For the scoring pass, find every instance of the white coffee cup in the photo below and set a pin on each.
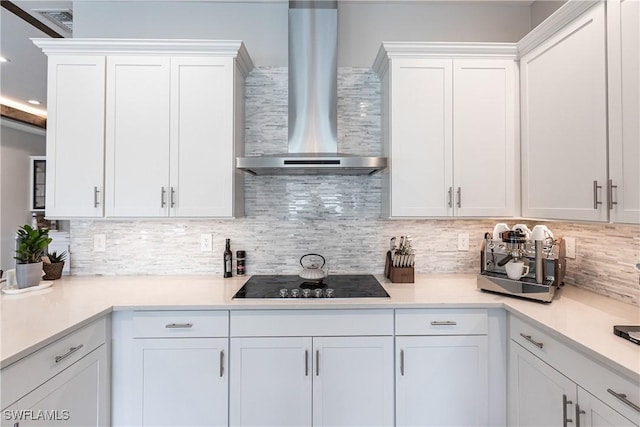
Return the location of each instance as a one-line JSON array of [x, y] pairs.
[[541, 232], [516, 269], [499, 229]]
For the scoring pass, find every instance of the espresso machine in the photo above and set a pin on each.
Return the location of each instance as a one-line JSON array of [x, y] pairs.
[[544, 258]]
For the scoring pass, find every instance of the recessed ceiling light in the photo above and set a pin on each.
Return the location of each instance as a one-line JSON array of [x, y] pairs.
[[33, 102], [3, 59]]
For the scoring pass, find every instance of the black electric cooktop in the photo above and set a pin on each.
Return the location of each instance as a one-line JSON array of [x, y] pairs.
[[295, 287]]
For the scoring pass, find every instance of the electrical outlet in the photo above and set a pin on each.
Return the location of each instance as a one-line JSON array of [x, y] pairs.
[[570, 247], [463, 241], [99, 242], [206, 243]]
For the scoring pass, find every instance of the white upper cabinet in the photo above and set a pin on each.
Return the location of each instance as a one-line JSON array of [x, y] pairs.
[[157, 137], [623, 36], [137, 136], [564, 122], [449, 129], [484, 138], [75, 136], [203, 138]]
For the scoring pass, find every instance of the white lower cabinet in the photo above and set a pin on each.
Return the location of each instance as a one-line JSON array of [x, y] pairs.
[[65, 383], [303, 368], [540, 395], [442, 377], [170, 368], [319, 381], [77, 397], [271, 381], [552, 385]]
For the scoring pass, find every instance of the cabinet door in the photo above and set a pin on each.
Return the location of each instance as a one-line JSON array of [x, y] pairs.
[[484, 138], [270, 382], [353, 381], [592, 412], [180, 382], [202, 147], [624, 109], [564, 128], [137, 137], [75, 136], [421, 142], [539, 396], [442, 381], [78, 396]]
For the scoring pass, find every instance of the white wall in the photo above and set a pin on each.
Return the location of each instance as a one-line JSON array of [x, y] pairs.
[[541, 9], [263, 26], [15, 148]]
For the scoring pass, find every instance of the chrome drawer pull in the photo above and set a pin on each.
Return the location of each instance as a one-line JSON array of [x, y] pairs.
[[443, 323], [179, 325], [450, 193], [96, 200], [306, 363], [402, 362], [68, 353], [623, 397], [578, 413], [317, 363], [531, 340], [596, 202], [459, 197], [221, 363], [565, 402]]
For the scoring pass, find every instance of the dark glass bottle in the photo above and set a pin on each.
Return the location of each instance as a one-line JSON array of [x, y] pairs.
[[227, 259]]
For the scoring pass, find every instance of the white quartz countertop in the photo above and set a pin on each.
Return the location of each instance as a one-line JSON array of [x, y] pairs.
[[580, 318]]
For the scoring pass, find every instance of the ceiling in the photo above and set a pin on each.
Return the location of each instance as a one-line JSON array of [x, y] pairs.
[[25, 76]]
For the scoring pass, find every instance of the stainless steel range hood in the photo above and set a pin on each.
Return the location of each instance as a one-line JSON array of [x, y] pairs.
[[313, 75]]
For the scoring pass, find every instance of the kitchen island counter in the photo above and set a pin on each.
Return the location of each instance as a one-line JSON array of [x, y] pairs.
[[578, 317]]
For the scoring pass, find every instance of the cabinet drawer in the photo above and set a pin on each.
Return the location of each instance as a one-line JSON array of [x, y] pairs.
[[298, 323], [439, 321], [177, 324], [536, 341], [25, 375]]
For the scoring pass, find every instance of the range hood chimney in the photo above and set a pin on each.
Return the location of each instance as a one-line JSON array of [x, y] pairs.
[[313, 76]]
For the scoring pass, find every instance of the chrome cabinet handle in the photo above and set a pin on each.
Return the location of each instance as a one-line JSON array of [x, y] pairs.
[[178, 325], [68, 353], [317, 363], [596, 202], [578, 413], [565, 402], [221, 363], [459, 197], [173, 196], [531, 340], [610, 194], [163, 191], [306, 363], [402, 362], [96, 199], [623, 397], [443, 323], [450, 192]]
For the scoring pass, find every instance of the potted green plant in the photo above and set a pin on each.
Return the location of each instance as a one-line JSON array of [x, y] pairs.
[[32, 243], [52, 264]]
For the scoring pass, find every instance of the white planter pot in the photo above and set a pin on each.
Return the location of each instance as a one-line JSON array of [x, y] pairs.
[[28, 275]]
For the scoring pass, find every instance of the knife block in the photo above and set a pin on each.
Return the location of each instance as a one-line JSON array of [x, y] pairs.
[[398, 274]]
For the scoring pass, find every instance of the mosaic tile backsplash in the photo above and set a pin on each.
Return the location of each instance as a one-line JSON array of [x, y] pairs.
[[337, 216]]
